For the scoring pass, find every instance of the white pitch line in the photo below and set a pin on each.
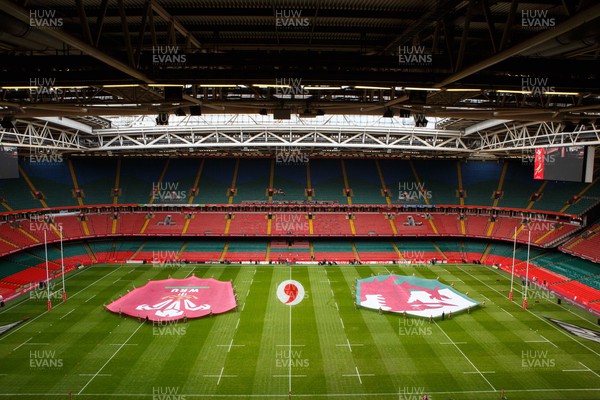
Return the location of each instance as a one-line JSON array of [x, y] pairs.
[[358, 374], [348, 345], [287, 376], [96, 375], [90, 298], [588, 368], [467, 358], [343, 327], [506, 312], [453, 342], [483, 372], [221, 374], [549, 342], [22, 343], [111, 357], [290, 345], [336, 306], [237, 324], [248, 292], [47, 311], [538, 317], [116, 281], [561, 306], [123, 344], [67, 314], [189, 273], [230, 345], [309, 395], [486, 298], [332, 292], [93, 283]]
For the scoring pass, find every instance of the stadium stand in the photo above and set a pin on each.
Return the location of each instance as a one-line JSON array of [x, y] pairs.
[[480, 180], [439, 178], [96, 177], [327, 180], [585, 245], [334, 250], [252, 180], [331, 224], [291, 179], [376, 251], [372, 224], [215, 181], [364, 181], [208, 181], [251, 250], [248, 224]]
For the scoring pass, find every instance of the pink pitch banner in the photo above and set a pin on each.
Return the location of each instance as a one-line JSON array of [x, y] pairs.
[[174, 299]]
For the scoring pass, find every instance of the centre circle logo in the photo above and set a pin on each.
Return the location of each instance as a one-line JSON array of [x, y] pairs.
[[290, 292]]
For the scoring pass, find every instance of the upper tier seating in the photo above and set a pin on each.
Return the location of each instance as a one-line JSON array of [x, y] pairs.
[[137, 177]]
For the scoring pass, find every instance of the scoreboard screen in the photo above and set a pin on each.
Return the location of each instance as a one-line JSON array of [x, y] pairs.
[[572, 164]]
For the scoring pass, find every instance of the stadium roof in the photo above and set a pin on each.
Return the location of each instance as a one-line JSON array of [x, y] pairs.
[[480, 77]]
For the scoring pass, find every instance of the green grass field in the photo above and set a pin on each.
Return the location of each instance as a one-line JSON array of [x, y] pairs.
[[336, 351]]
